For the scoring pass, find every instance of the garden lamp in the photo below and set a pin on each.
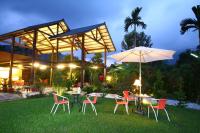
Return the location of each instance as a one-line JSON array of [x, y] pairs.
[[138, 84]]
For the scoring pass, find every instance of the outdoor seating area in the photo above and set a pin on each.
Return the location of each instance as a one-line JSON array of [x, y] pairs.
[[35, 113]]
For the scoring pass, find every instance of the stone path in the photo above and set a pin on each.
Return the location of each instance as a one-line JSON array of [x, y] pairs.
[[9, 96]]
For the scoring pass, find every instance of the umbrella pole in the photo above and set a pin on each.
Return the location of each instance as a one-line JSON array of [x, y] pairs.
[[140, 77]]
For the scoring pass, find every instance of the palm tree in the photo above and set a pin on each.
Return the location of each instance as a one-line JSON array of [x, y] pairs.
[[134, 20], [191, 23]]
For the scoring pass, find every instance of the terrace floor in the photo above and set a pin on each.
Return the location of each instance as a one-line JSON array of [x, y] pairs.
[[32, 115]]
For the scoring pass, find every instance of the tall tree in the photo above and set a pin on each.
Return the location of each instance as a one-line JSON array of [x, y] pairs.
[[142, 40], [192, 23], [134, 20]]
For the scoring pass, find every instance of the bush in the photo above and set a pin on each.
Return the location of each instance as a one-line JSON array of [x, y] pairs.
[[92, 88]]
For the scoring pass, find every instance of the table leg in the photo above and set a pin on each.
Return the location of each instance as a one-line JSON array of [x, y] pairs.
[[139, 106]]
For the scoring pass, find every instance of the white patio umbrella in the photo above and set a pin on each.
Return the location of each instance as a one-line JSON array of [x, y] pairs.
[[143, 55]]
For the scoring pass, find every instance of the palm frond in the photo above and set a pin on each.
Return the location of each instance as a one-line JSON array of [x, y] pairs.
[[127, 22], [186, 24], [136, 12], [187, 21], [142, 24], [186, 28], [196, 10]]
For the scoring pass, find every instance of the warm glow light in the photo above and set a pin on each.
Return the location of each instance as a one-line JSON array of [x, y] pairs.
[[15, 78], [60, 66], [20, 66], [73, 66], [108, 78], [4, 73], [145, 101], [36, 64], [137, 82], [43, 67], [94, 67]]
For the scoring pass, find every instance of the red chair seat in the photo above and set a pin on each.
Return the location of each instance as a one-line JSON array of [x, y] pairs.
[[122, 102], [87, 102], [130, 98], [62, 102]]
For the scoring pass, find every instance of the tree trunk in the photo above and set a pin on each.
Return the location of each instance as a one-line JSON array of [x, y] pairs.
[[135, 36]]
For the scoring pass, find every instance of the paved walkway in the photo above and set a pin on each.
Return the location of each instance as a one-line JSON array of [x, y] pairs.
[[9, 96]]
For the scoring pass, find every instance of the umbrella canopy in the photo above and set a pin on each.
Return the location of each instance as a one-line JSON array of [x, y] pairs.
[[143, 55]]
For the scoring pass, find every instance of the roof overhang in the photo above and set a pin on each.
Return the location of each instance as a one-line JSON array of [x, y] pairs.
[[24, 37], [96, 38]]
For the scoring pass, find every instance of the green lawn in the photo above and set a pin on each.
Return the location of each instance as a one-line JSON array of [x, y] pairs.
[[32, 116]]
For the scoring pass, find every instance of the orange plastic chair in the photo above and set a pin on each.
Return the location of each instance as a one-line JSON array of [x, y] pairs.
[[88, 101], [121, 101], [58, 102], [160, 106], [129, 96]]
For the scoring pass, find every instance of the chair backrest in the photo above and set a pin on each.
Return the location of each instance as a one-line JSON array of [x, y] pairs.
[[55, 97], [162, 103], [95, 99], [126, 94]]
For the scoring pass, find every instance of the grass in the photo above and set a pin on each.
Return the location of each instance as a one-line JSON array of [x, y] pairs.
[[32, 116]]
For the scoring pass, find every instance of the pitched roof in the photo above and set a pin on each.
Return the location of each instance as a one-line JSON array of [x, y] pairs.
[[97, 38], [78, 30]]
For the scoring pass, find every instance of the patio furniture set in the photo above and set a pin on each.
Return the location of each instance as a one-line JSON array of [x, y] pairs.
[[91, 99]]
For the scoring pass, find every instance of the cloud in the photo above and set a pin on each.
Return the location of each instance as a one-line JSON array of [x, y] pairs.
[[162, 18], [13, 20]]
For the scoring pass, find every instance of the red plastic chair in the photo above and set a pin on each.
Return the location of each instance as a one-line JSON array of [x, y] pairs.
[[121, 101], [88, 101], [160, 106], [58, 102], [129, 96]]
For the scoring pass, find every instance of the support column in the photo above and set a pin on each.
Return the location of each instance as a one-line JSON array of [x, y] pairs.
[[82, 61], [105, 63], [57, 46], [32, 80], [72, 53], [11, 62], [52, 64], [71, 59]]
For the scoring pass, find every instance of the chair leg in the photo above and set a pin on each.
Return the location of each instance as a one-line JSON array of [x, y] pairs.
[[116, 106], [64, 107], [92, 106], [85, 108], [126, 106], [148, 112], [157, 112], [154, 114], [167, 115], [94, 109], [52, 108], [82, 107], [68, 107], [56, 109]]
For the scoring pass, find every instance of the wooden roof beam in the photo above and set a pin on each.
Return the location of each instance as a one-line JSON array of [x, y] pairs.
[[44, 32], [103, 40], [58, 49], [51, 30], [47, 40]]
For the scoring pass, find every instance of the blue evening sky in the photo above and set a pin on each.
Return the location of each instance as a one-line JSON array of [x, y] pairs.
[[161, 16]]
